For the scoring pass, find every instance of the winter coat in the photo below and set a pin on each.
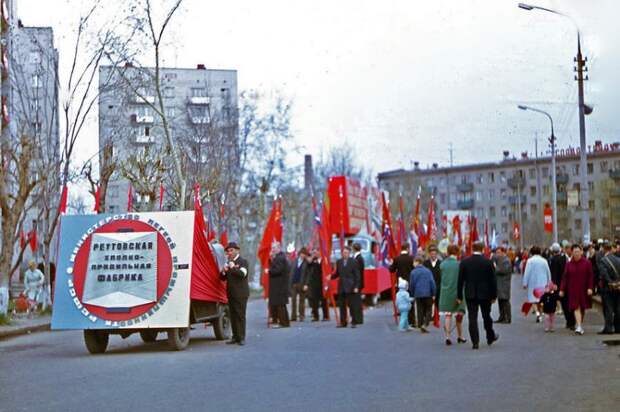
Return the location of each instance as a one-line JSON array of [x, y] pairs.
[[537, 275], [315, 280], [503, 272], [279, 280], [421, 283], [578, 278], [449, 282], [403, 301]]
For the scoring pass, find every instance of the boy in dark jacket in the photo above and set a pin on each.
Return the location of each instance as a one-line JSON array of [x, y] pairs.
[[422, 287]]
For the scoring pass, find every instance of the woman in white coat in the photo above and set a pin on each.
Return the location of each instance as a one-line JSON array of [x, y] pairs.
[[537, 276], [33, 282]]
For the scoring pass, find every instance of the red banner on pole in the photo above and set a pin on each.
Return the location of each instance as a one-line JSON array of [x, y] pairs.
[[548, 218]]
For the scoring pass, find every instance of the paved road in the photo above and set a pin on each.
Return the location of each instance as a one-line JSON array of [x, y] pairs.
[[314, 366]]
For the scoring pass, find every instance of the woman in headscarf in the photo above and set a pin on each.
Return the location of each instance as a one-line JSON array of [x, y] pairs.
[[578, 285], [536, 278]]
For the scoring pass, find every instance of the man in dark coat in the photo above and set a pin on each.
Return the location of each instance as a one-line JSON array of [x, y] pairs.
[[433, 262], [299, 285], [503, 272], [348, 273], [477, 279], [557, 263], [358, 313], [609, 269], [238, 291], [279, 287], [402, 266], [315, 286]]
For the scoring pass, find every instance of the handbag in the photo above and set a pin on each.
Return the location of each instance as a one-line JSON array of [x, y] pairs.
[[615, 285]]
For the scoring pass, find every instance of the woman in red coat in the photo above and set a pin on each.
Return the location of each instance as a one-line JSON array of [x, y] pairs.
[[577, 285]]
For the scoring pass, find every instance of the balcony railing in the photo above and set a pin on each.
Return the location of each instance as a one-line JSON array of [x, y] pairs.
[[562, 196], [465, 204], [513, 200], [614, 174], [560, 178], [142, 139], [515, 182], [144, 99], [199, 100], [142, 119], [200, 119], [465, 187]]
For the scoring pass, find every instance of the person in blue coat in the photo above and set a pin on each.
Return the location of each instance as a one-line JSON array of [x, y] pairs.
[[422, 287], [403, 304]]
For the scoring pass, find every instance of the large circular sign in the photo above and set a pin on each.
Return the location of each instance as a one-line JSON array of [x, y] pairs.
[[122, 270]]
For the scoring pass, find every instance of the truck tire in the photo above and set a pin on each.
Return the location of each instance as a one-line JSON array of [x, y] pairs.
[[149, 335], [221, 325], [178, 338], [96, 340]]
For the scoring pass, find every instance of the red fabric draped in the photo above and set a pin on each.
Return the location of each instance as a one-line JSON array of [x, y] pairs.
[[63, 200], [206, 283]]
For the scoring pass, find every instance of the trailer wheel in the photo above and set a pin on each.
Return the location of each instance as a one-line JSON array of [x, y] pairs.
[[178, 338], [149, 335], [96, 340], [221, 326]]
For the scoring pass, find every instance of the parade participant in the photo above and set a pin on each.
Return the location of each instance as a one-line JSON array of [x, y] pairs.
[[432, 263], [278, 287], [609, 268], [557, 263], [503, 272], [33, 282], [299, 286], [536, 278], [447, 301], [348, 273], [549, 302], [238, 292], [478, 285], [315, 286], [577, 285], [402, 266], [422, 287], [403, 303], [358, 306]]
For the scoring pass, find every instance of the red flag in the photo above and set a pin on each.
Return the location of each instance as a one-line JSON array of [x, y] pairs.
[[387, 222], [468, 248], [516, 231], [63, 200], [22, 239], [456, 230], [548, 218], [161, 196], [487, 244], [278, 221], [431, 234], [130, 199], [444, 226], [223, 232], [97, 207], [415, 224], [264, 248], [402, 232], [33, 240]]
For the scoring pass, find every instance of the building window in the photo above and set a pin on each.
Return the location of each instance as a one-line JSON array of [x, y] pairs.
[[491, 194], [532, 190], [502, 177], [36, 80], [492, 211], [479, 196], [147, 131], [604, 166], [480, 179], [491, 177], [591, 186], [199, 92], [545, 172], [576, 186], [480, 213], [546, 190], [442, 198], [591, 204], [532, 173], [170, 112], [504, 211], [590, 168], [577, 223], [170, 76], [502, 193], [168, 91], [198, 111], [576, 170], [504, 227], [533, 209], [35, 57]]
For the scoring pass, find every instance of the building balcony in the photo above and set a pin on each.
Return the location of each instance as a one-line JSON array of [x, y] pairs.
[[614, 174], [199, 119], [143, 100], [465, 204], [513, 200], [465, 187], [199, 100], [516, 182], [560, 178], [142, 119], [143, 139], [562, 196]]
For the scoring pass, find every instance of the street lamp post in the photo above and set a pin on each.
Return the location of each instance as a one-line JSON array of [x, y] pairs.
[[583, 111], [554, 188]]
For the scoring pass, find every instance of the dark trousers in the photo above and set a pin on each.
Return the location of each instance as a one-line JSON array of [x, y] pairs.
[[505, 314], [424, 307], [411, 316], [279, 315], [298, 294], [569, 315], [236, 310], [611, 310], [356, 309], [315, 303], [472, 315], [346, 300]]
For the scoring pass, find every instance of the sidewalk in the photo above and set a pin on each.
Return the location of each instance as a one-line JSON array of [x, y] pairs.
[[21, 326]]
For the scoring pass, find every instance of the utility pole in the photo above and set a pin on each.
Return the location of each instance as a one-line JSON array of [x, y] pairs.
[[539, 206], [451, 155], [520, 217], [583, 161], [554, 187]]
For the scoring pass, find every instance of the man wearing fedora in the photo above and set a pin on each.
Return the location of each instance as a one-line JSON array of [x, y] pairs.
[[238, 292]]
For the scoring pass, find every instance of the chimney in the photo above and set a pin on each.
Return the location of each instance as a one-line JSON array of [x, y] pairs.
[[416, 165], [523, 155], [308, 172], [435, 165], [506, 153], [128, 64], [200, 66]]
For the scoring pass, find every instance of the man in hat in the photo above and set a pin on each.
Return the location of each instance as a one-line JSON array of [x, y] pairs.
[[238, 292], [299, 285]]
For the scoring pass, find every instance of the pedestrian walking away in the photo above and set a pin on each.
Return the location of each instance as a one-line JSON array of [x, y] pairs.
[[557, 264], [577, 285], [348, 273], [503, 272], [422, 287], [238, 291], [536, 278], [448, 306], [402, 265], [299, 286], [403, 304], [478, 285], [278, 286], [609, 269]]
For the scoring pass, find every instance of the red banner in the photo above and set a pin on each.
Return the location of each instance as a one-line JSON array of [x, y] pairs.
[[516, 231], [548, 218]]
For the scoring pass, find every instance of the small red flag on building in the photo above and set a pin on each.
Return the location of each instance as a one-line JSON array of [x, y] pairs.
[[63, 200], [33, 240], [548, 218]]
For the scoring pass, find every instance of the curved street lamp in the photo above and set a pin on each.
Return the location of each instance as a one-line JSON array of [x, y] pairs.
[[554, 194]]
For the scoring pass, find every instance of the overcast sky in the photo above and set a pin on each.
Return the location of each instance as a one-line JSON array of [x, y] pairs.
[[400, 79]]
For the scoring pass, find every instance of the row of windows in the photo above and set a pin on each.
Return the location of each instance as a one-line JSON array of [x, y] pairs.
[[170, 92]]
